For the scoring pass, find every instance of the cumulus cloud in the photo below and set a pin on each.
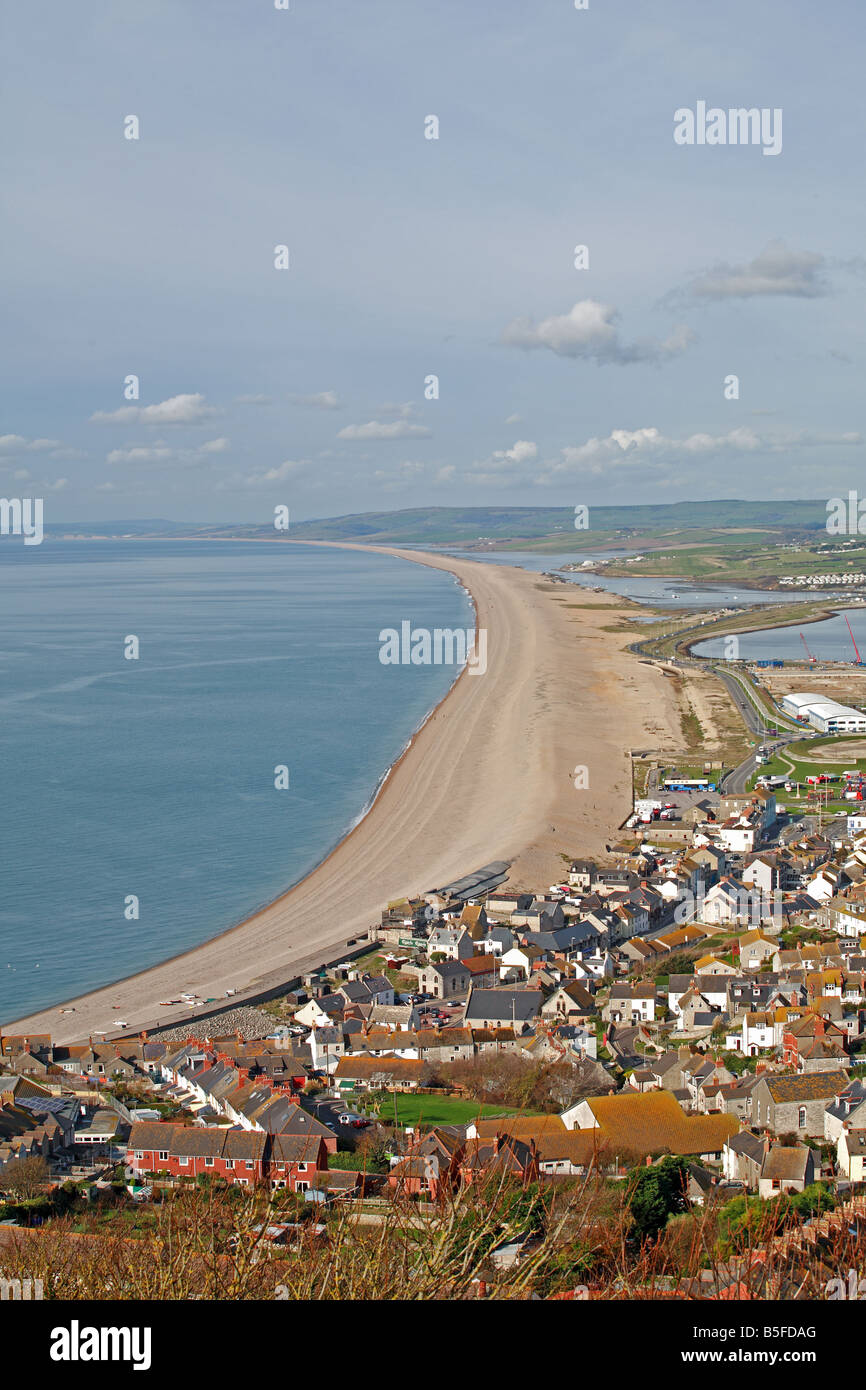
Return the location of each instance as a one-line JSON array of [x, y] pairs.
[[177, 410], [320, 400], [777, 270], [289, 468], [379, 429], [648, 448], [392, 479], [589, 331], [162, 453], [504, 465], [18, 444]]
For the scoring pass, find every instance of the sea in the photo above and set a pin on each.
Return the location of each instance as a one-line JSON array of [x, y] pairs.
[[141, 813]]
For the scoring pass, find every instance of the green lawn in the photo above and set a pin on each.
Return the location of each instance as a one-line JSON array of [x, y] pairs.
[[437, 1110]]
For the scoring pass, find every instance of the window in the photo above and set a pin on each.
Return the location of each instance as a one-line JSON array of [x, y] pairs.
[[163, 1154], [184, 1161], [801, 1117], [250, 1164], [302, 1167], [230, 1163], [208, 1163], [139, 1153]]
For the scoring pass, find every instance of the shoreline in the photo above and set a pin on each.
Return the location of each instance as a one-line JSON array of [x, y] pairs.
[[487, 776], [239, 998]]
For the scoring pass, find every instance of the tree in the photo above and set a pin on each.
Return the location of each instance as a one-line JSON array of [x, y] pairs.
[[25, 1179], [657, 1193]]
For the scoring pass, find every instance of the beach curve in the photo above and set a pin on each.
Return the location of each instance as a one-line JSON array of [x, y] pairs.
[[489, 776]]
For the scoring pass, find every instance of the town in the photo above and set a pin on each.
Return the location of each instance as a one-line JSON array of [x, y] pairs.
[[703, 1005]]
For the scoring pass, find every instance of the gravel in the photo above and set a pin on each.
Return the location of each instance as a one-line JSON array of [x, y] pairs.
[[249, 1022]]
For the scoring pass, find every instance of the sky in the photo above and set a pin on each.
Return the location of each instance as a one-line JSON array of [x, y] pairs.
[[412, 258]]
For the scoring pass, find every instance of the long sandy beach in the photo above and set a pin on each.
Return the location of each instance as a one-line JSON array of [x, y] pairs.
[[490, 776]]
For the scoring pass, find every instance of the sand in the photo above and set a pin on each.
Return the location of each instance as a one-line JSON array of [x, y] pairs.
[[490, 776]]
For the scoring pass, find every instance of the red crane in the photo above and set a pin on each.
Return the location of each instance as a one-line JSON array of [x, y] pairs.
[[856, 652], [808, 653]]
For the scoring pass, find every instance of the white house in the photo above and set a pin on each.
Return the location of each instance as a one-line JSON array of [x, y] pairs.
[[851, 1153]]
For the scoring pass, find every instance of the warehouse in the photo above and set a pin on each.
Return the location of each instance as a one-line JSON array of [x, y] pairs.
[[825, 715]]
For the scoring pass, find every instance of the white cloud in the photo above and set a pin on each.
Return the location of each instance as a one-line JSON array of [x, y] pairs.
[[778, 270], [648, 448], [17, 444], [504, 465], [588, 331], [161, 453], [177, 410], [252, 400], [289, 468], [513, 419], [391, 479], [322, 400], [519, 452], [141, 453], [377, 429]]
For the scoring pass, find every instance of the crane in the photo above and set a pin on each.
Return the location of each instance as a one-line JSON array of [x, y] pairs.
[[808, 653], [856, 652]]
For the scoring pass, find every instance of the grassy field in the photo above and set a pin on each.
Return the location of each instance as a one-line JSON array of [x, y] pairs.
[[437, 1110], [807, 765], [744, 560]]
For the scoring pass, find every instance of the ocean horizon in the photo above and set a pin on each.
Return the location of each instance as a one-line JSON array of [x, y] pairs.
[[154, 778]]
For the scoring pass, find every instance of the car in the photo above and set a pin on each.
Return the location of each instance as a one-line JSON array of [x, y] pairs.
[[347, 1118]]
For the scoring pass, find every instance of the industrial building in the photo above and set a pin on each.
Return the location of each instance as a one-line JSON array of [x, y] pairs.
[[827, 716]]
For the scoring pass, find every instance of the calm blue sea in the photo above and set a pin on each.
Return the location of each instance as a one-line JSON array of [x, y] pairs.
[[155, 777]]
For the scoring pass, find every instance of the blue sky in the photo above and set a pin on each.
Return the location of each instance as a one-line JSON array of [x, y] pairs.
[[411, 257]]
